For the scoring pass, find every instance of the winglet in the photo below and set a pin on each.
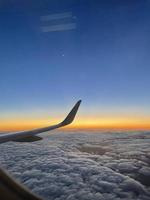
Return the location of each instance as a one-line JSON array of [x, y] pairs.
[[70, 117]]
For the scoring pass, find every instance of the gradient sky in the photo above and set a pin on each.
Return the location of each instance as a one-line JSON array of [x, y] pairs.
[[105, 62]]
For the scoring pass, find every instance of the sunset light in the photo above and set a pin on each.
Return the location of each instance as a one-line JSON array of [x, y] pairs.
[[80, 122]]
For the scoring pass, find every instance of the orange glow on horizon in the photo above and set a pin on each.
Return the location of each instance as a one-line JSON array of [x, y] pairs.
[[85, 123], [112, 123]]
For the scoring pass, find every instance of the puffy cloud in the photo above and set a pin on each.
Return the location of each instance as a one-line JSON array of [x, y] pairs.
[[83, 166]]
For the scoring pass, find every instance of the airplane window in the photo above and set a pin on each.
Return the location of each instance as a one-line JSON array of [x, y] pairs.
[[74, 99]]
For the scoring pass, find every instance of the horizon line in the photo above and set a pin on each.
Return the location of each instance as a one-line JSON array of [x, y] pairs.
[[76, 127]]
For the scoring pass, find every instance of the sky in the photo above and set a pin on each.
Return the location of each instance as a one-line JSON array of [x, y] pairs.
[[56, 52]]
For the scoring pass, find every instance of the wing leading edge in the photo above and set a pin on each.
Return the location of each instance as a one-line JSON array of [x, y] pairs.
[[26, 134]]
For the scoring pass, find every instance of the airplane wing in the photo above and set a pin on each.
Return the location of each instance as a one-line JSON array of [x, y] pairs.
[[26, 136], [9, 188]]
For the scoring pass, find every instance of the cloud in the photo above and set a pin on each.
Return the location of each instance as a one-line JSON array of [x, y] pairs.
[[57, 169]]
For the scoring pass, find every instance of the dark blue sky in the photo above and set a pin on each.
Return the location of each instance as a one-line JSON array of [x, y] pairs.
[[105, 61]]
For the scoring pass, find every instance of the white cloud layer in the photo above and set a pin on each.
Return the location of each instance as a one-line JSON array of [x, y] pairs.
[[83, 166]]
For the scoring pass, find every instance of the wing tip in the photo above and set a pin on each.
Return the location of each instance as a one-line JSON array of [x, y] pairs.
[[70, 117], [79, 102]]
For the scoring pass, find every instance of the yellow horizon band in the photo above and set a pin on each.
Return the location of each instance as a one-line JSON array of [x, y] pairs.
[[86, 123]]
